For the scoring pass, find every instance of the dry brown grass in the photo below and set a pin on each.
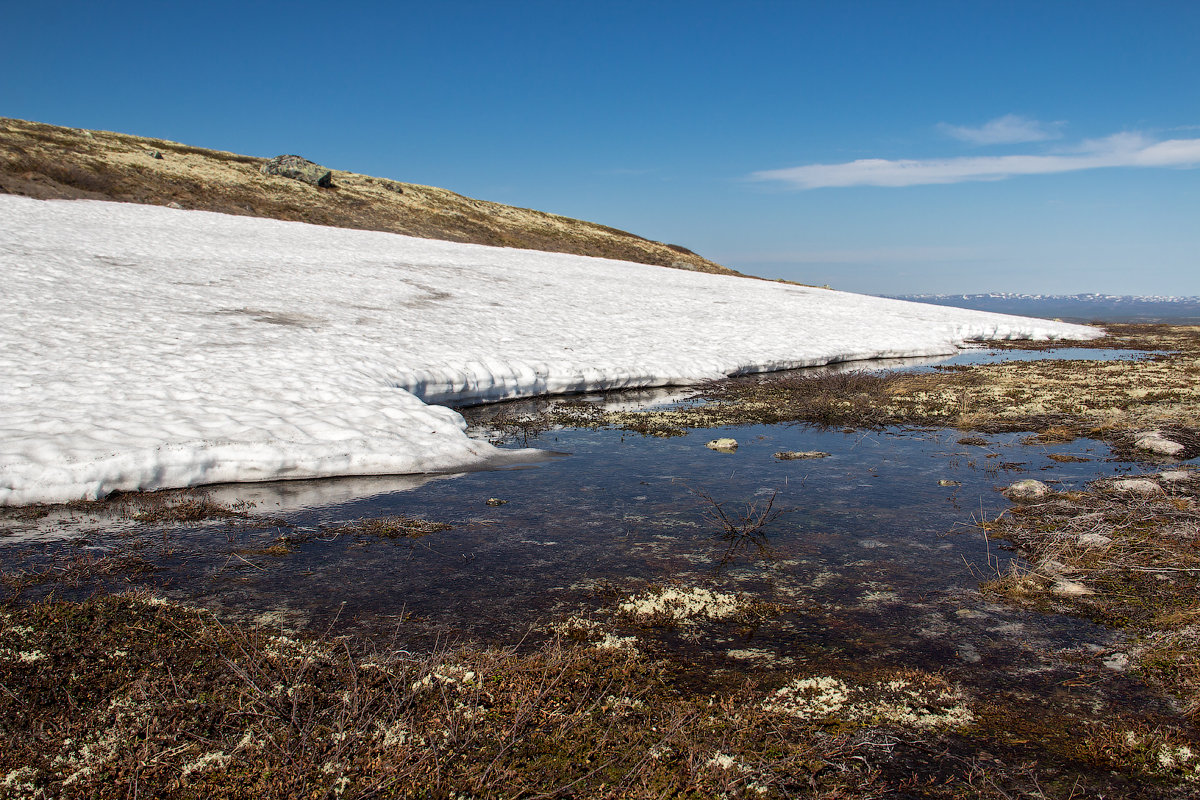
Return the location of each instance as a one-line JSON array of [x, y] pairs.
[[47, 161], [126, 696], [1058, 399], [1123, 558]]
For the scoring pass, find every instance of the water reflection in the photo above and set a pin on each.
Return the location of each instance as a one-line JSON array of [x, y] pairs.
[[870, 553]]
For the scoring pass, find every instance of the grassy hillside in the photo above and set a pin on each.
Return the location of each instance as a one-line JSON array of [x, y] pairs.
[[48, 161]]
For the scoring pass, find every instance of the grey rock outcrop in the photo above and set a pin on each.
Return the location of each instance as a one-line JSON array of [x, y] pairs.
[[1139, 486], [298, 169], [1155, 442], [1027, 490]]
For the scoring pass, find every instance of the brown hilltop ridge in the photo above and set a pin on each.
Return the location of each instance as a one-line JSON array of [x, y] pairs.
[[52, 162]]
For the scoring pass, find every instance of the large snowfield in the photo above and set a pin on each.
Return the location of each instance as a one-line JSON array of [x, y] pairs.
[[143, 347]]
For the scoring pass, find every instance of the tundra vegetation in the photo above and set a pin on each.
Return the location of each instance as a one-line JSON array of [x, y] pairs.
[[112, 691], [108, 690], [53, 162]]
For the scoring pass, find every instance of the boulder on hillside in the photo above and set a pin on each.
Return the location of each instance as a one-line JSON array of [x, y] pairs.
[[298, 169]]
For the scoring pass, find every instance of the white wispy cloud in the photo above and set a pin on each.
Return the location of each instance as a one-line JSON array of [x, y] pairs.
[[1009, 129], [1119, 150]]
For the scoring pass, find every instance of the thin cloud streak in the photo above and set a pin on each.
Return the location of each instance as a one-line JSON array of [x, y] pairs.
[[1009, 129], [1120, 150]]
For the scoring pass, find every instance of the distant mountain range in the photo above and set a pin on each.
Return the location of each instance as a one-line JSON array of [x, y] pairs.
[[1074, 307]]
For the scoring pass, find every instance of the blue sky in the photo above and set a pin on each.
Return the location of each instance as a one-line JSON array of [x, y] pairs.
[[882, 147]]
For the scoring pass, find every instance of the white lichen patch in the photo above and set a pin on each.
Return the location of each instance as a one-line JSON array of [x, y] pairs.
[[760, 656], [725, 762], [626, 644], [205, 763], [810, 698], [678, 604], [394, 735], [20, 782], [446, 675], [620, 705], [908, 698], [575, 628], [1158, 754], [286, 649]]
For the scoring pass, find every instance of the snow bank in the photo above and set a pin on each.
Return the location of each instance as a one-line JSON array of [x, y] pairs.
[[143, 347]]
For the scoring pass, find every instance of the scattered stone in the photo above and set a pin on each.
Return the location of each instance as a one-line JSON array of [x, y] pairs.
[[723, 445], [1027, 489], [175, 206], [945, 482], [1139, 486], [1067, 588], [793, 455], [496, 501], [1051, 566], [1178, 475], [1094, 540], [1155, 442], [298, 169], [1117, 661]]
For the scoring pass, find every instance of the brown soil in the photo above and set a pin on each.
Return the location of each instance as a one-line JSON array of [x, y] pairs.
[[51, 162]]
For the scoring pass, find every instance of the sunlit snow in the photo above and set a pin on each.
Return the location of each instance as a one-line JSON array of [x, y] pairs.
[[144, 347]]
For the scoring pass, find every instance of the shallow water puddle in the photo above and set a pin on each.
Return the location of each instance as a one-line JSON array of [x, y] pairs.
[[873, 562], [985, 355], [866, 559]]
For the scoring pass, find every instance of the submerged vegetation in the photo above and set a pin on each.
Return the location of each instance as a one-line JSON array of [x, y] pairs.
[[1125, 552]]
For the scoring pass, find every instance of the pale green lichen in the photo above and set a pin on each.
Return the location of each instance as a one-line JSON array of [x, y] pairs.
[[909, 699]]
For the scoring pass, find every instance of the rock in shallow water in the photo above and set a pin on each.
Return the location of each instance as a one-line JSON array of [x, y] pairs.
[[1028, 489], [793, 455], [1139, 486], [1068, 588], [1155, 442], [723, 445]]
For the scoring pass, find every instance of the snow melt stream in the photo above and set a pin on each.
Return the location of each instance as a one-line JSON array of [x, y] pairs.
[[143, 347]]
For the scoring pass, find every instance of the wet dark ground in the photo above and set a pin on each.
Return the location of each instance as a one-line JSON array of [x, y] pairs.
[[874, 564]]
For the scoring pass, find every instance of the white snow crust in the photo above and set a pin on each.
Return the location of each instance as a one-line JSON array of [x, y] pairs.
[[143, 347]]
